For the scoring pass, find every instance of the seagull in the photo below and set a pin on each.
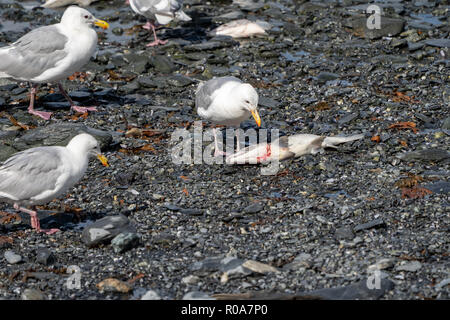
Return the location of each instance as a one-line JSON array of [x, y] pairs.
[[163, 11], [227, 101], [52, 4], [39, 175], [52, 53]]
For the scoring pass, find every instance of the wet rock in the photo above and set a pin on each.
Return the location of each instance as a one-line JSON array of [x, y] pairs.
[[267, 102], [12, 257], [377, 223], [162, 63], [125, 241], [326, 76], [344, 233], [253, 208], [192, 212], [179, 80], [209, 45], [446, 124], [151, 295], [442, 187], [412, 266], [33, 294], [45, 256], [441, 43], [434, 155], [389, 27], [191, 279], [361, 290], [105, 229]]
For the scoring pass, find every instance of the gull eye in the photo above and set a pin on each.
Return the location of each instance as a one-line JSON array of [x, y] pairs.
[[86, 16]]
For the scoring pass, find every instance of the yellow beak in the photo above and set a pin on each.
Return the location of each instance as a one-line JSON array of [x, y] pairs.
[[103, 160], [255, 115], [102, 24]]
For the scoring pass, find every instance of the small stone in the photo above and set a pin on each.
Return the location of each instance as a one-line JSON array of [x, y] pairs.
[[32, 294], [412, 266], [191, 279], [259, 267], [326, 76], [253, 208], [377, 223], [434, 155], [113, 285], [344, 233], [125, 241], [197, 295], [44, 256], [12, 257], [381, 265], [105, 229], [151, 295]]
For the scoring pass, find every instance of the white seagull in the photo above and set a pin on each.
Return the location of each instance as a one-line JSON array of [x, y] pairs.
[[162, 11], [52, 53], [39, 175], [226, 101]]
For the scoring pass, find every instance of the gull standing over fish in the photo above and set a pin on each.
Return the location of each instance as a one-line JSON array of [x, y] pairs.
[[227, 101], [162, 11], [39, 175], [53, 4], [52, 53]]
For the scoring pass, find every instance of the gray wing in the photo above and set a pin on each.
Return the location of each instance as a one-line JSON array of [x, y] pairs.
[[33, 54], [31, 172], [205, 91]]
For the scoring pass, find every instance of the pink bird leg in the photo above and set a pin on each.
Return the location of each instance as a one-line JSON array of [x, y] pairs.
[[44, 115], [72, 104], [149, 25], [35, 221]]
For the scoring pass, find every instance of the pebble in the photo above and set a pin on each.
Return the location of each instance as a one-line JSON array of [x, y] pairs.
[[33, 294], [151, 295], [12, 257], [105, 229], [412, 266], [125, 241]]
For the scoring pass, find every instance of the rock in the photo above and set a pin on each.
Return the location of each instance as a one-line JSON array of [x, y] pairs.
[[303, 260], [12, 257], [105, 229], [179, 80], [113, 285], [163, 64], [377, 223], [381, 265], [344, 233], [207, 265], [434, 155], [446, 124], [197, 295], [33, 294], [360, 290], [191, 279], [253, 208], [347, 118], [44, 256], [442, 187], [233, 267], [441, 43], [259, 267], [267, 102], [192, 212], [412, 266], [442, 284], [125, 241], [389, 27], [209, 45], [151, 295], [327, 76]]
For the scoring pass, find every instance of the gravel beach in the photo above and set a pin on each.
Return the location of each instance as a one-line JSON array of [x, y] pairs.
[[368, 220]]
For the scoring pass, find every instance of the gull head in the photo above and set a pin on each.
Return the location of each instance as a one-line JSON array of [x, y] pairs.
[[248, 98], [87, 145], [76, 17]]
